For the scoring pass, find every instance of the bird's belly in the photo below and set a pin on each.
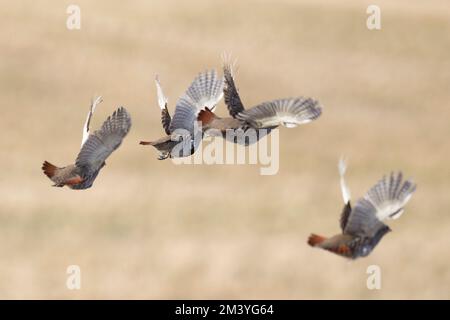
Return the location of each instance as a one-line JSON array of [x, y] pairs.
[[87, 182], [245, 137]]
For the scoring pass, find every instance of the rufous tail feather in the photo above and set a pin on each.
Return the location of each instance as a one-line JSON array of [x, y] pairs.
[[315, 240], [206, 116], [49, 169]]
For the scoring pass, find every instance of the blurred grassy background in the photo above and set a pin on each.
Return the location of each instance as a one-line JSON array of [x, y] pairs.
[[150, 229]]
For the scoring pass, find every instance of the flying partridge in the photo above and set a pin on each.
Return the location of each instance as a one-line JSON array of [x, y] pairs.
[[362, 225], [95, 149], [289, 112], [182, 138]]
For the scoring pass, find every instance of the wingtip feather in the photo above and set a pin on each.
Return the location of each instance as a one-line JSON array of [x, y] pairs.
[[162, 99]]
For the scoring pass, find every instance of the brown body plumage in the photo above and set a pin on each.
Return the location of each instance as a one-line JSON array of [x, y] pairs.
[[70, 175]]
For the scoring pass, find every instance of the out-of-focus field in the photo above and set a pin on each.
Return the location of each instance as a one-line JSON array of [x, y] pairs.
[[151, 229]]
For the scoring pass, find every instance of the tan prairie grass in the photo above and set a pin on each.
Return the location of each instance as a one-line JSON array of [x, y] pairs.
[[150, 229]]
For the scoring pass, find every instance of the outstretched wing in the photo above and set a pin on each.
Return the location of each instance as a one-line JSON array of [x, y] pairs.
[[162, 102], [289, 112], [166, 120], [205, 91], [86, 128], [345, 215], [362, 221], [342, 166], [385, 200], [390, 195], [103, 142], [231, 95]]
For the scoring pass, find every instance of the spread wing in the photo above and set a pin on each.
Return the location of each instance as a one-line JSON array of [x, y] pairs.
[[231, 95], [205, 91], [362, 221], [390, 195], [162, 102], [103, 142], [342, 166], [166, 120], [289, 112], [385, 200], [345, 215], [86, 129]]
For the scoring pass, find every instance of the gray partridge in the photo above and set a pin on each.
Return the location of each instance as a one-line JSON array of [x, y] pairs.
[[95, 149], [289, 112], [182, 138], [362, 225]]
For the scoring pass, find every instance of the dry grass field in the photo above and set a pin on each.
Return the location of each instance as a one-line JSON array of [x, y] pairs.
[[151, 229]]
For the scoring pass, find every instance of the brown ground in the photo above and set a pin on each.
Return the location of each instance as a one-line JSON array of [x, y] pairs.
[[150, 229]]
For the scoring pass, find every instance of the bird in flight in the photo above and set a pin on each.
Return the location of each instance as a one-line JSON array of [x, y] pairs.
[[288, 112], [362, 225], [95, 149], [182, 137]]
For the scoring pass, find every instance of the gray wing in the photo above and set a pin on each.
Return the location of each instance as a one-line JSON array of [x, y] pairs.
[[362, 220], [390, 195], [230, 92], [162, 102], [345, 215], [166, 119], [205, 91], [289, 112], [103, 142], [86, 128], [385, 200]]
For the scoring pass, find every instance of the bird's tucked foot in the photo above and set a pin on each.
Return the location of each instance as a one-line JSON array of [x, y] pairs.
[[58, 185]]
